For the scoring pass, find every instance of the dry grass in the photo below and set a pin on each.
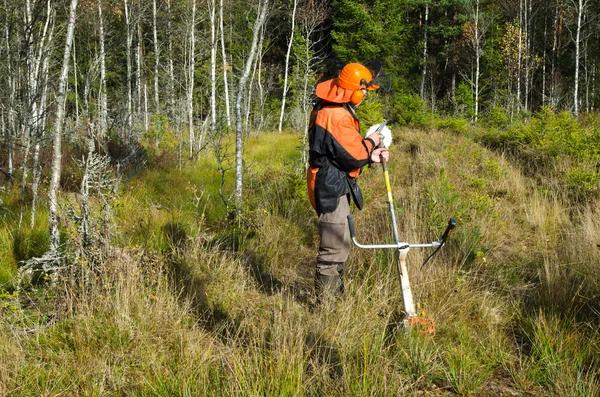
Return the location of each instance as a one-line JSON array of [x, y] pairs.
[[230, 312]]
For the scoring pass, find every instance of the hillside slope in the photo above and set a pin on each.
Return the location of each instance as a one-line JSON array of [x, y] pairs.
[[189, 303]]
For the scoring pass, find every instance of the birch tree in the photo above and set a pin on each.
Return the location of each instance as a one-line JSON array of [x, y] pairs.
[[40, 123], [311, 16], [190, 78], [476, 33], [103, 102], [261, 16], [212, 7], [225, 65], [10, 113], [580, 7], [287, 63], [58, 126], [156, 57], [128, 44], [424, 26]]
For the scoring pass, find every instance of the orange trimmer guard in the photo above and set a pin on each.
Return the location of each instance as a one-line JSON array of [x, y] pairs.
[[422, 324]]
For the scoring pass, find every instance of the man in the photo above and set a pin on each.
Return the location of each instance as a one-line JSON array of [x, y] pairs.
[[337, 154]]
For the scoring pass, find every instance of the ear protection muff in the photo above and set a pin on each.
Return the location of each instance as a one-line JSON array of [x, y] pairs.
[[357, 97]]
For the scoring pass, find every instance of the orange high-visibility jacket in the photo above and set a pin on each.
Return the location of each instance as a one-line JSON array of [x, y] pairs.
[[337, 153]]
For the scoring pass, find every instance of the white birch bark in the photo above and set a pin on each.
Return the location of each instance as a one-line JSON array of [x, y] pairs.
[[138, 73], [527, 50], [286, 67], [424, 70], [258, 23], [190, 87], [156, 58], [225, 65], [171, 65], [103, 108], [519, 54], [11, 88], [250, 88], [75, 86], [41, 126], [60, 116], [146, 121], [213, 66], [553, 93], [129, 43], [544, 77], [580, 10], [261, 91], [477, 59], [36, 108]]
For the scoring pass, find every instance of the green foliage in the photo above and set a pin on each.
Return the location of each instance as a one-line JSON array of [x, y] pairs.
[[364, 30], [496, 118], [369, 112], [161, 139], [465, 100], [457, 125], [408, 109]]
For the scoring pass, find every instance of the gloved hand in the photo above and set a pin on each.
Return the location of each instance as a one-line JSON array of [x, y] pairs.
[[385, 132], [378, 153]]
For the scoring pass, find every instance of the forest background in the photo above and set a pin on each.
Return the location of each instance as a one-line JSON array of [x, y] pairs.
[[153, 156]]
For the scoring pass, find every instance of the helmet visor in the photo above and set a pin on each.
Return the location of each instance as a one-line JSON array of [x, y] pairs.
[[380, 79]]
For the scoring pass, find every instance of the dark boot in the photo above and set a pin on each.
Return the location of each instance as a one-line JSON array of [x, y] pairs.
[[326, 286]]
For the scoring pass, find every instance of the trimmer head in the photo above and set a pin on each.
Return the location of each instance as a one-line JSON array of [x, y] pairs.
[[424, 325]]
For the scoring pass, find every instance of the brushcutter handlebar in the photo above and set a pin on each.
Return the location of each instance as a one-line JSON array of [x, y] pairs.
[[402, 245], [351, 225], [451, 226]]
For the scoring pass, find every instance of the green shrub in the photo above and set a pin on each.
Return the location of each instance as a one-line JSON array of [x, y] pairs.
[[457, 125], [409, 109], [496, 118], [465, 102], [369, 112]]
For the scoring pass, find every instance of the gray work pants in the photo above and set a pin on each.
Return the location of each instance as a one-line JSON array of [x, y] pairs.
[[335, 239]]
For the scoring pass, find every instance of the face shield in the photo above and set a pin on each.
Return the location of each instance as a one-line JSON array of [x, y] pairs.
[[380, 79]]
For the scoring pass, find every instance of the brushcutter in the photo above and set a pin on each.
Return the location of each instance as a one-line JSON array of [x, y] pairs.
[[411, 319]]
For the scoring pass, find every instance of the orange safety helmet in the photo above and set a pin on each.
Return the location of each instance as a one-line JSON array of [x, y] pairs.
[[348, 86]]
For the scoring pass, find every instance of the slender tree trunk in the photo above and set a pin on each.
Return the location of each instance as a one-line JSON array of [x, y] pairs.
[[75, 86], [520, 54], [424, 70], [212, 4], [60, 116], [37, 171], [580, 10], [553, 80], [190, 87], [526, 57], [225, 65], [171, 65], [103, 113], [261, 93], [287, 63], [156, 58], [260, 20], [544, 58], [249, 96], [146, 121], [138, 73], [477, 59], [129, 43], [36, 90], [11, 88]]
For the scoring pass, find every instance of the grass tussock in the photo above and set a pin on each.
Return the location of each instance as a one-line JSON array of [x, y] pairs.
[[189, 302]]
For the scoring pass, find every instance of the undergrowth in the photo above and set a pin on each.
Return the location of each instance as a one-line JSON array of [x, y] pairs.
[[189, 301]]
